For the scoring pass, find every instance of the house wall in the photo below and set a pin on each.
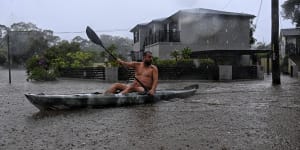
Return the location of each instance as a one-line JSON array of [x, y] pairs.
[[215, 32], [282, 46], [142, 35]]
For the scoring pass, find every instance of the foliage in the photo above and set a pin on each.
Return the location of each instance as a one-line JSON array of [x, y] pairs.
[[186, 53], [110, 61], [63, 55], [251, 32], [123, 45], [155, 60], [206, 62], [79, 59], [175, 54], [37, 68], [263, 46], [165, 63], [184, 62], [291, 10], [26, 40], [67, 54], [181, 54]]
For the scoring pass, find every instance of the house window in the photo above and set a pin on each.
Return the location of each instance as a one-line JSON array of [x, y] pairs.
[[136, 36]]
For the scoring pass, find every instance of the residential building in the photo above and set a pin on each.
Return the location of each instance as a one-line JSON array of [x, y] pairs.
[[206, 32], [290, 42], [290, 50]]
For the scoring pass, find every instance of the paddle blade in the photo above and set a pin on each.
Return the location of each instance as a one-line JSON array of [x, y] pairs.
[[93, 36]]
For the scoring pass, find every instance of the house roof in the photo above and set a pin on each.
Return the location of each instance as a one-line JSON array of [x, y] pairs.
[[195, 11], [216, 12], [139, 26], [290, 32]]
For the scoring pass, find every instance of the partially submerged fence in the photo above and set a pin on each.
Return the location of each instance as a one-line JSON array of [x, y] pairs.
[[165, 73], [244, 72], [85, 73]]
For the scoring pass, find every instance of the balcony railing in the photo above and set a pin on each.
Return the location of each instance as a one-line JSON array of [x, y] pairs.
[[162, 36]]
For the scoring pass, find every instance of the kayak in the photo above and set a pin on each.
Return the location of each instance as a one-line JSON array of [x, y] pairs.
[[96, 100]]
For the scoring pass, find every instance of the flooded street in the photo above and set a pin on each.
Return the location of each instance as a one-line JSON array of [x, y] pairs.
[[222, 115]]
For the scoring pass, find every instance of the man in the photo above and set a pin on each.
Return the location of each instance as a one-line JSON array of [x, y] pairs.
[[145, 72]]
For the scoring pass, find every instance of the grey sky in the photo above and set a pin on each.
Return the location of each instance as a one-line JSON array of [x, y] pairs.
[[117, 17]]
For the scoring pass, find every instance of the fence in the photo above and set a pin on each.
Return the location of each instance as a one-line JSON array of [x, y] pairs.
[[189, 73], [165, 73], [86, 73], [244, 72]]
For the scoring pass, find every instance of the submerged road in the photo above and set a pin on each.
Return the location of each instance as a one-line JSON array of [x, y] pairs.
[[222, 115]]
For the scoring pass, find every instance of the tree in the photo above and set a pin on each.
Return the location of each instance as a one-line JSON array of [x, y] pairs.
[[291, 10], [263, 46], [251, 32], [84, 44], [51, 39], [26, 39], [22, 26], [175, 54]]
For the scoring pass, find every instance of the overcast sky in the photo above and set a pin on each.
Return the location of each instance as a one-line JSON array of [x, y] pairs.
[[117, 17]]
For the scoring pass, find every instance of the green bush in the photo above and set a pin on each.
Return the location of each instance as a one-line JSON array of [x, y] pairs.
[[79, 59], [63, 55], [165, 63], [41, 74], [38, 69], [186, 53], [207, 62]]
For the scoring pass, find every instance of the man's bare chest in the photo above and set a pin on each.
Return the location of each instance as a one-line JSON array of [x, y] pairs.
[[144, 71]]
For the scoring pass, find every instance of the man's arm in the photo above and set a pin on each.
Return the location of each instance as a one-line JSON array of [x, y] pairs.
[[127, 64], [155, 80]]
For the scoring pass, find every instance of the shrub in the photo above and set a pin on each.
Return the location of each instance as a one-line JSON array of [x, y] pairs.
[[207, 62], [38, 69], [165, 63], [185, 63]]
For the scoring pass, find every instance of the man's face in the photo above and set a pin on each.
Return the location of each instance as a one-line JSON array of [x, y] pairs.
[[148, 59]]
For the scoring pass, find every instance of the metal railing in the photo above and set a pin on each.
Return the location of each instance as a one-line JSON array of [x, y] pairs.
[[162, 36]]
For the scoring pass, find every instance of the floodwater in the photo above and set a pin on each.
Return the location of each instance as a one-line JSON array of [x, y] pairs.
[[222, 115]]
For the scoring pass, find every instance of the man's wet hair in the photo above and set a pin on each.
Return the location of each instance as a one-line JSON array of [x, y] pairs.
[[147, 52]]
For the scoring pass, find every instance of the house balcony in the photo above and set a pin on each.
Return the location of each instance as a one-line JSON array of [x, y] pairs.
[[162, 36]]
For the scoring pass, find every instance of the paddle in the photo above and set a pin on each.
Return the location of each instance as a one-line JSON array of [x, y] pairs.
[[95, 39]]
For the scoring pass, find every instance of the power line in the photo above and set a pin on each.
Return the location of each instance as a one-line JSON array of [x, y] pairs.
[[97, 31], [258, 14], [227, 4]]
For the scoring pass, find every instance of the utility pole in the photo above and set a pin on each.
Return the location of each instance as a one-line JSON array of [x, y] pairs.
[[8, 56], [268, 63], [275, 43]]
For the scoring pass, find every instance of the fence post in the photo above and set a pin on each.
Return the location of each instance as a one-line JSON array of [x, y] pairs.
[[111, 74]]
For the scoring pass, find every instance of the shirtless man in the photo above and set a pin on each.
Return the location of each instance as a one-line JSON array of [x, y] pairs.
[[144, 72]]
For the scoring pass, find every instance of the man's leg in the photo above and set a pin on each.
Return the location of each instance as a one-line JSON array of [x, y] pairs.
[[117, 86], [132, 89]]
